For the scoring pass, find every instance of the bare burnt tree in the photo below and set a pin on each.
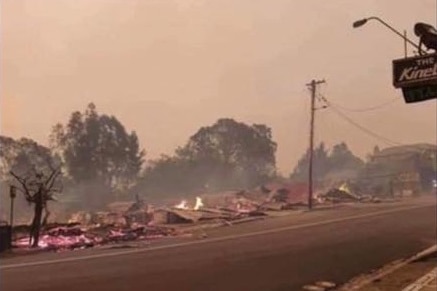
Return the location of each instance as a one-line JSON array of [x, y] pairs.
[[39, 188]]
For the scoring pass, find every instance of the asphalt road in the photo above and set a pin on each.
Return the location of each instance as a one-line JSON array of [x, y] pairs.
[[331, 249]]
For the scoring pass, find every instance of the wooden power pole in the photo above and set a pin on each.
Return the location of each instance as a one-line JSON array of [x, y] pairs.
[[313, 88]]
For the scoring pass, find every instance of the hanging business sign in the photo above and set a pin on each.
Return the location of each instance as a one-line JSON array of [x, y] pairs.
[[415, 71], [419, 93], [417, 76]]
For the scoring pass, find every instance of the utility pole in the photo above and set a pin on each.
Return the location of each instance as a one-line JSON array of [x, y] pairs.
[[313, 88]]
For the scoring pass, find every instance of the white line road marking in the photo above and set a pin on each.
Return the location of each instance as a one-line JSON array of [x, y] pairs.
[[211, 240], [422, 281]]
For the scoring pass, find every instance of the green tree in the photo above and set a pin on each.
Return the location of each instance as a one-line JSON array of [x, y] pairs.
[[22, 156], [38, 188], [343, 164], [341, 158], [168, 176], [232, 154], [339, 163], [320, 162], [99, 153], [226, 155]]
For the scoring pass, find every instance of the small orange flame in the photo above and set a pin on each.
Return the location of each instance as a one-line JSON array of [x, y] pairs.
[[198, 204], [182, 205]]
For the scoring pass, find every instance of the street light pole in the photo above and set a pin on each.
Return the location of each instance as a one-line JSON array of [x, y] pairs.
[[363, 21], [405, 44]]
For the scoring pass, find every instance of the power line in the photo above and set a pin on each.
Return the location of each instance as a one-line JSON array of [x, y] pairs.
[[366, 130], [359, 126], [366, 109], [411, 148]]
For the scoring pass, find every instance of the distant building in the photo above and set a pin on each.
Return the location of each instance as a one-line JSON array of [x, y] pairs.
[[402, 170]]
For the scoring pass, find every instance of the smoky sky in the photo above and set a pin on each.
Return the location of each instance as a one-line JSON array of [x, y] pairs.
[[167, 67]]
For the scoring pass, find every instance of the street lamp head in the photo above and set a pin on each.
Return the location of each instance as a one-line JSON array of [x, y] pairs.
[[359, 23]]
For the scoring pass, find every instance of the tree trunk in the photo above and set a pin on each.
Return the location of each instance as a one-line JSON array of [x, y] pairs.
[[46, 216], [36, 222]]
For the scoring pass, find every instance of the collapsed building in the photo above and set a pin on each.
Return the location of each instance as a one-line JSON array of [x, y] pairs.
[[137, 220]]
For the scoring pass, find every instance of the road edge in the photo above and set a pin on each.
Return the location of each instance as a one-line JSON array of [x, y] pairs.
[[363, 280]]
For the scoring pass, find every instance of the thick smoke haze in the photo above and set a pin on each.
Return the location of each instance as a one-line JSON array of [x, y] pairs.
[[167, 67]]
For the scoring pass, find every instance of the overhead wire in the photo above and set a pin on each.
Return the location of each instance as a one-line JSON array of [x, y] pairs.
[[364, 109], [367, 109], [369, 132]]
